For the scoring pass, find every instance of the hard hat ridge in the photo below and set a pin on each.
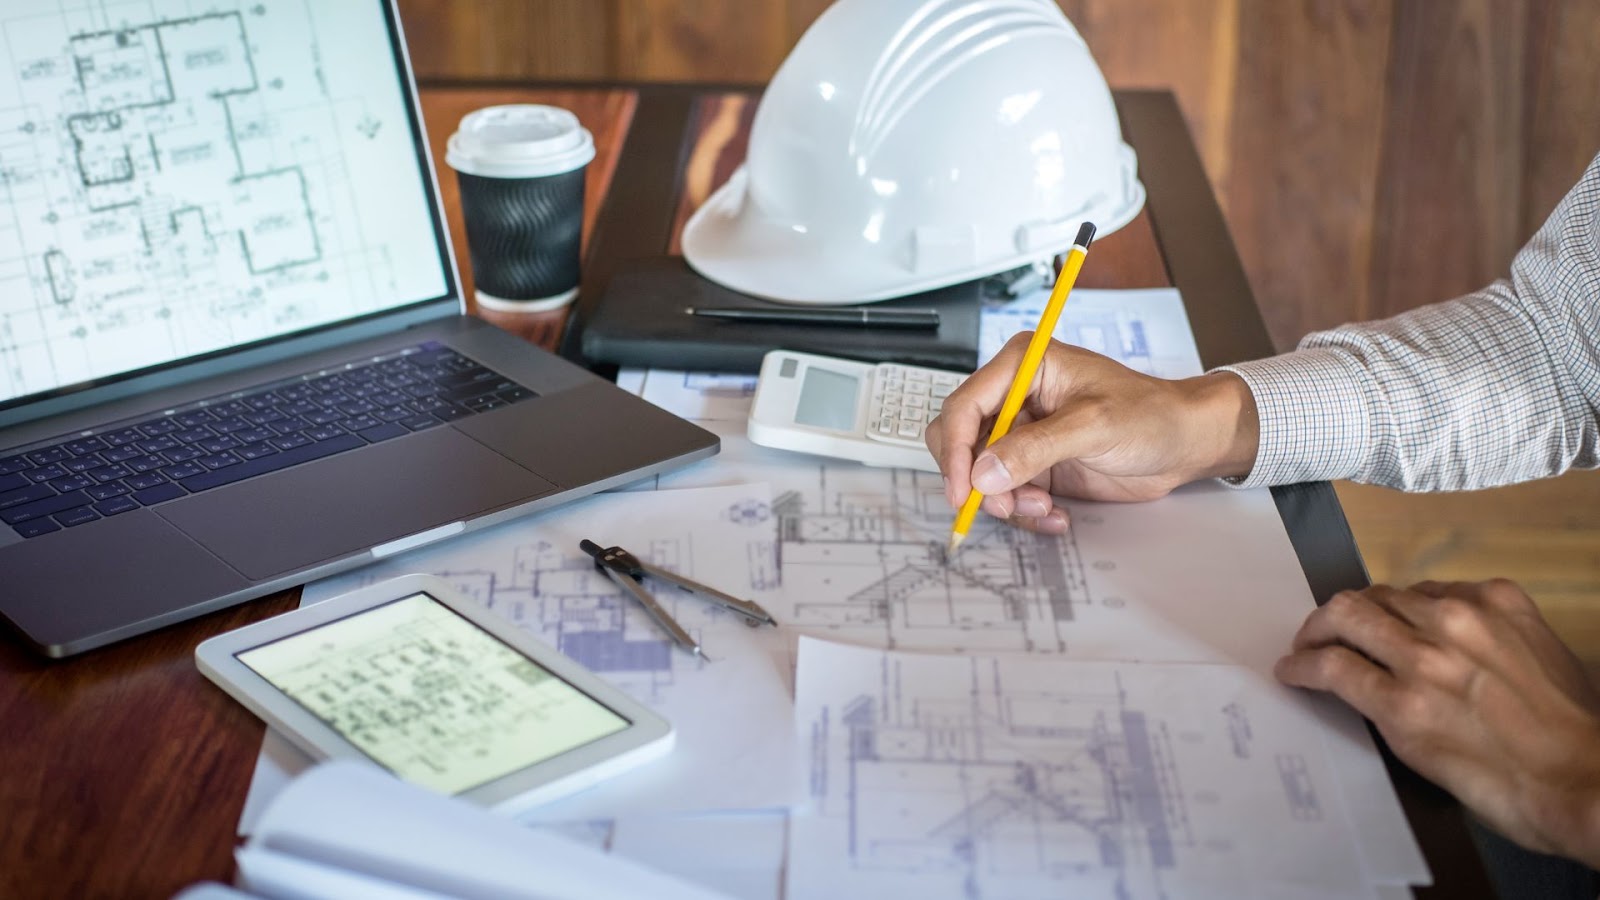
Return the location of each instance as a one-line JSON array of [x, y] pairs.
[[933, 43]]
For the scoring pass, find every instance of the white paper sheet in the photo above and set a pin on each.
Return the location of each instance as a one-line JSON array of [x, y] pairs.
[[1146, 330], [731, 715], [348, 829], [738, 854], [699, 396], [1034, 776]]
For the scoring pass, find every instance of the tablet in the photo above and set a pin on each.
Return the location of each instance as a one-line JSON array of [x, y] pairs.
[[415, 677]]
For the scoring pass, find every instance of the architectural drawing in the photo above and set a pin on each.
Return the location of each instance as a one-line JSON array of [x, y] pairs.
[[861, 559], [862, 554], [1145, 330], [553, 589], [1033, 776], [703, 396], [180, 178]]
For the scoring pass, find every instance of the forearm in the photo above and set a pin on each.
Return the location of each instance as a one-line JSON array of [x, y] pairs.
[[1499, 386], [1457, 396]]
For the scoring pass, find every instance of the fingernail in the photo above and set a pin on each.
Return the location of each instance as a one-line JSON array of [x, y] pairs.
[[1032, 507], [989, 475], [1054, 523]]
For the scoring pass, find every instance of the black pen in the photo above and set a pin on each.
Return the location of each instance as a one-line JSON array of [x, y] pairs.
[[852, 315]]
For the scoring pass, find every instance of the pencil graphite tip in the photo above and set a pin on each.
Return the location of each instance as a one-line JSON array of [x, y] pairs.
[[955, 543]]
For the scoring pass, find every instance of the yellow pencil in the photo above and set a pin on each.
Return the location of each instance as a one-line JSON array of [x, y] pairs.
[[1025, 372]]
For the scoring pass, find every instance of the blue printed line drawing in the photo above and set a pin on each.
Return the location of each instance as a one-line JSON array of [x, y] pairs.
[[862, 552], [1013, 781]]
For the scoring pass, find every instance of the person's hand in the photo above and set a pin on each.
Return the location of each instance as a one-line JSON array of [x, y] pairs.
[[1474, 691], [1091, 428]]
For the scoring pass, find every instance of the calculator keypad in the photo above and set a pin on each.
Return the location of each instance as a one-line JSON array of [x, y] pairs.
[[905, 399]]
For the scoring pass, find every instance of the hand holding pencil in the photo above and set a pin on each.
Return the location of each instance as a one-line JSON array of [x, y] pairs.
[[1016, 435], [1023, 380]]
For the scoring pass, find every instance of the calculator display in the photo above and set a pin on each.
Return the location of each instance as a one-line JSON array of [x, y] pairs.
[[827, 400], [430, 696]]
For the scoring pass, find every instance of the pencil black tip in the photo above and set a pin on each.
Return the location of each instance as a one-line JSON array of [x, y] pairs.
[[1085, 235]]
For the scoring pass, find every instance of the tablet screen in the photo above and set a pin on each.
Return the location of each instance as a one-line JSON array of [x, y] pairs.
[[431, 696]]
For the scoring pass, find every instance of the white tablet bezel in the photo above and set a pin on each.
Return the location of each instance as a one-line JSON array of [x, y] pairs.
[[647, 736]]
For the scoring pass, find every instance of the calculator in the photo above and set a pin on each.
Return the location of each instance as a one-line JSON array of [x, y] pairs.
[[871, 413]]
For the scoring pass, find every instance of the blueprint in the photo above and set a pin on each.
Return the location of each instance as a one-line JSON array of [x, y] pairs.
[[732, 716], [1163, 619], [181, 177], [1206, 575], [1024, 776], [701, 396], [1146, 330]]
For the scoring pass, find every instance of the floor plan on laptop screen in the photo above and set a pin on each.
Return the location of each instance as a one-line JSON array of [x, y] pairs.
[[181, 177]]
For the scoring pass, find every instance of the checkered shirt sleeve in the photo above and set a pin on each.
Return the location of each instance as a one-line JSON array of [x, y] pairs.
[[1498, 386]]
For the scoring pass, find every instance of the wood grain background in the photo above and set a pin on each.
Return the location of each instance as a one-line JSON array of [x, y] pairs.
[[1370, 155]]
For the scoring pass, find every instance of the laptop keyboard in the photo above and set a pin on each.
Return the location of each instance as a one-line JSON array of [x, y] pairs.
[[206, 445]]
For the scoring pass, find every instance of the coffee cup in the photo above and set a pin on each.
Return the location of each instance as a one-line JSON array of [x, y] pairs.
[[521, 171]]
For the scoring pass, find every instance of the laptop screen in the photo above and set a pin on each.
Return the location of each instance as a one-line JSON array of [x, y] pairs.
[[180, 179]]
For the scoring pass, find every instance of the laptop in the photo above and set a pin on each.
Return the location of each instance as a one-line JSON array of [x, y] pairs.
[[233, 351]]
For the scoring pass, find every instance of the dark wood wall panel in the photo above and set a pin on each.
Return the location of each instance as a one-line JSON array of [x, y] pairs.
[[1301, 182], [509, 39], [1192, 50], [1449, 216], [676, 40], [1561, 91], [802, 13]]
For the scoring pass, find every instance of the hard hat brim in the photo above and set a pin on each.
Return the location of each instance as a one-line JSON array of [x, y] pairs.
[[726, 243]]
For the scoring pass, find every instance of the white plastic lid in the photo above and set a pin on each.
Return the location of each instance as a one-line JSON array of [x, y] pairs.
[[519, 141]]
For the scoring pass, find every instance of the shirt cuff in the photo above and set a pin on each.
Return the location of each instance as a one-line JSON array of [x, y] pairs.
[[1315, 420]]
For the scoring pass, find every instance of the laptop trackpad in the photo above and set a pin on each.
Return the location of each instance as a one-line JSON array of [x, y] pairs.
[[347, 503]]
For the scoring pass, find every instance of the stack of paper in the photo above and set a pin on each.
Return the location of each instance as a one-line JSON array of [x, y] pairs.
[[1088, 715]]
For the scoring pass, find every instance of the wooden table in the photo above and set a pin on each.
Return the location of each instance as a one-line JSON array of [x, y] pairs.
[[123, 771]]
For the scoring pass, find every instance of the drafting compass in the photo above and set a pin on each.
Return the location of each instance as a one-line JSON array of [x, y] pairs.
[[628, 571]]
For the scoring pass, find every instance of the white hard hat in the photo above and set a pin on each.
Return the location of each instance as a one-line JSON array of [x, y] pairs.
[[905, 145]]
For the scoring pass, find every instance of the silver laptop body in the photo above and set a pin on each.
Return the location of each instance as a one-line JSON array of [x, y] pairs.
[[233, 354]]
